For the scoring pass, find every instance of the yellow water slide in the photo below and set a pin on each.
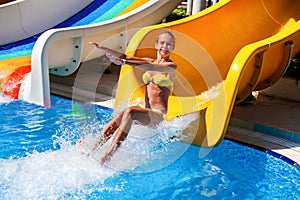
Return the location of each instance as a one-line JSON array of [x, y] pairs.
[[223, 53]]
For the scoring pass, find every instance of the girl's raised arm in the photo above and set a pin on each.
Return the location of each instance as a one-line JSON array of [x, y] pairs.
[[144, 62]]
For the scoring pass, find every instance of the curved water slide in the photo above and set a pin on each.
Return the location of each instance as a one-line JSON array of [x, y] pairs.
[[61, 51], [223, 54], [15, 58], [22, 19]]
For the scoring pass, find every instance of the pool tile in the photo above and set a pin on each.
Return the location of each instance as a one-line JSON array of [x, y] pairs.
[[264, 129], [284, 134], [296, 138]]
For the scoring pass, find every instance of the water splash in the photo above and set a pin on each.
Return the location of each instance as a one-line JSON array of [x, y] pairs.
[[145, 149], [4, 99], [49, 174], [65, 172]]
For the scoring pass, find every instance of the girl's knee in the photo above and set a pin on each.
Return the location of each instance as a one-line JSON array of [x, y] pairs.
[[129, 111]]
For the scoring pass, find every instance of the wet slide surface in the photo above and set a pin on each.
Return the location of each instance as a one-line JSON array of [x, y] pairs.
[[223, 53]]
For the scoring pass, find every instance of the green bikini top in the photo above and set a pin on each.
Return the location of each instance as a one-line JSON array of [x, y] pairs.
[[160, 80]]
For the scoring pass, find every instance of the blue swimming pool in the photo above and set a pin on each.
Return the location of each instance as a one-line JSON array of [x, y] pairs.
[[39, 159]]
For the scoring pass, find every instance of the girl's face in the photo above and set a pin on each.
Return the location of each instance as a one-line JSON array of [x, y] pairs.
[[164, 45]]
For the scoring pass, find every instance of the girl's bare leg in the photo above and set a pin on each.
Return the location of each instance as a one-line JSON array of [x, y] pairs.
[[130, 114], [106, 133], [120, 136], [108, 130]]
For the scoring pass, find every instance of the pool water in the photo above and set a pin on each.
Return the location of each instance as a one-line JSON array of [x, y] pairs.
[[39, 159]]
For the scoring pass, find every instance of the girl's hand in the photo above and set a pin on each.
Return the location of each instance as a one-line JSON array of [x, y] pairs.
[[95, 43], [108, 50], [114, 56]]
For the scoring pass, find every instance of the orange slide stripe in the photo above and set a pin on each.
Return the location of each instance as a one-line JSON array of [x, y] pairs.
[[10, 65], [11, 85]]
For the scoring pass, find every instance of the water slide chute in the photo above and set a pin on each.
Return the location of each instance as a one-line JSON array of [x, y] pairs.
[[223, 53], [61, 51], [22, 19]]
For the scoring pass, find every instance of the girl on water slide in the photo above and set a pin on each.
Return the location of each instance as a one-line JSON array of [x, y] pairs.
[[158, 77]]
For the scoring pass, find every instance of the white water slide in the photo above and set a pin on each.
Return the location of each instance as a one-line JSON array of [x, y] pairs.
[[60, 51], [22, 19]]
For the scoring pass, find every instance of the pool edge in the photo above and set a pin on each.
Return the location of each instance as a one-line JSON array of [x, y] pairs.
[[283, 149]]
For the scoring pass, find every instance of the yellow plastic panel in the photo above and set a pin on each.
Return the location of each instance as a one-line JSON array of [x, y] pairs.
[[217, 52]]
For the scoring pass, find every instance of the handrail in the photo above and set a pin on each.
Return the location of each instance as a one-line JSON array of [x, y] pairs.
[[291, 45]]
